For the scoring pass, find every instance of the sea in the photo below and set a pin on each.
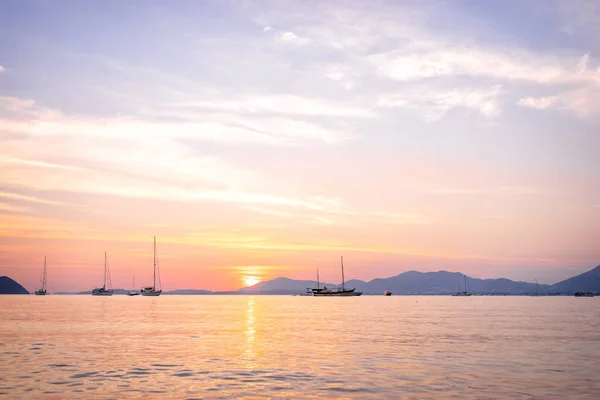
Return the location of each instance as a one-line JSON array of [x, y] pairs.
[[299, 347]]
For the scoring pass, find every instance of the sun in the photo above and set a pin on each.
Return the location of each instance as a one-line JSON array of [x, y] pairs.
[[250, 280]]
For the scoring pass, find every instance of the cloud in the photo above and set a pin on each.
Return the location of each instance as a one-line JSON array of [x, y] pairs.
[[283, 104], [433, 104], [2, 69], [291, 37], [433, 60], [231, 127], [267, 29], [29, 199], [539, 103], [581, 102], [517, 190]]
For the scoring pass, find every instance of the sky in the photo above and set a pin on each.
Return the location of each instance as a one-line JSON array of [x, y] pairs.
[[258, 139]]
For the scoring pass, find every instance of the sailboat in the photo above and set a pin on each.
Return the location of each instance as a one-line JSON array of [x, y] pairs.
[[103, 291], [132, 292], [42, 291], [339, 291], [465, 292], [151, 290], [309, 291], [537, 289]]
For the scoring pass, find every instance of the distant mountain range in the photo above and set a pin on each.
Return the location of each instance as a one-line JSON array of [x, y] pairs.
[[437, 283], [411, 282]]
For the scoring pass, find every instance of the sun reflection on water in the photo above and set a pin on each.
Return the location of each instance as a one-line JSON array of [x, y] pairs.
[[250, 330]]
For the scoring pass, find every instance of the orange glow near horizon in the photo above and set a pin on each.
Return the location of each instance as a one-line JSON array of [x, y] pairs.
[[250, 280]]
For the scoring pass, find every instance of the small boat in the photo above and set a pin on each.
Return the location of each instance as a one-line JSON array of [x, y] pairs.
[[387, 293], [42, 291], [133, 292], [151, 290], [538, 292], [339, 291], [465, 292], [104, 291], [584, 294]]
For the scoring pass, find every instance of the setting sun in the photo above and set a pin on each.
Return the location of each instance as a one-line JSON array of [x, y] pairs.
[[250, 280]]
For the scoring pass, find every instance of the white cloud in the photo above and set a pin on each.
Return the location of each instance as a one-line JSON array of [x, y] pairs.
[[2, 69], [433, 104], [583, 102], [291, 37], [283, 104], [267, 29], [229, 127], [539, 103], [432, 60]]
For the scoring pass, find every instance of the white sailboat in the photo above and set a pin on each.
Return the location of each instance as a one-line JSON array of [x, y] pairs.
[[42, 291], [466, 292], [132, 292], [339, 291], [104, 291], [151, 290]]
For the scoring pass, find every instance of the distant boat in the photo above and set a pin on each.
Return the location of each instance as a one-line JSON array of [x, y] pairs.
[[387, 293], [584, 294], [104, 291], [538, 292], [151, 290], [339, 291], [42, 291], [133, 292], [466, 292]]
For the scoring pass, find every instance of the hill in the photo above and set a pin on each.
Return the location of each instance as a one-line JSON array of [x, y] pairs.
[[188, 291], [444, 282], [587, 282], [411, 282], [280, 286], [10, 286]]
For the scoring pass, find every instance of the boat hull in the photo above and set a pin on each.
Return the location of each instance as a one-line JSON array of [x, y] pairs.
[[341, 293], [102, 294], [40, 293], [584, 294], [155, 293]]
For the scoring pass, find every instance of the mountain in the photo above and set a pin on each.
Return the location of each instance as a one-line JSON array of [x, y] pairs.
[[9, 286], [281, 286], [188, 291], [587, 282], [411, 282], [444, 282]]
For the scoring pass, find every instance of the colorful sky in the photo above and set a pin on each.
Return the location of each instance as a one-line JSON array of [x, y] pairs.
[[259, 139]]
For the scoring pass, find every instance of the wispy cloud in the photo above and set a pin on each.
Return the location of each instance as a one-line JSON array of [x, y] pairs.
[[538, 103], [518, 190], [28, 199], [434, 104]]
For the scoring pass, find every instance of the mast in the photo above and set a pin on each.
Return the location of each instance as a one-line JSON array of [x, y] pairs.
[[104, 286], [44, 278], [154, 284], [318, 284], [343, 282]]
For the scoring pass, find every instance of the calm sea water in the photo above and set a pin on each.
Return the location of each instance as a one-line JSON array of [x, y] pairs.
[[180, 347]]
